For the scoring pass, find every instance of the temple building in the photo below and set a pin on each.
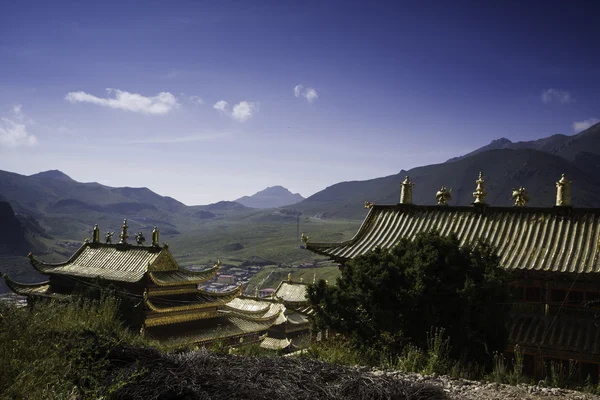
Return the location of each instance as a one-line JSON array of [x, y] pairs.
[[158, 297], [552, 254]]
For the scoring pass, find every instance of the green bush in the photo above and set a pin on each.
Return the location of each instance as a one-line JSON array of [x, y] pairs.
[[388, 298], [53, 350]]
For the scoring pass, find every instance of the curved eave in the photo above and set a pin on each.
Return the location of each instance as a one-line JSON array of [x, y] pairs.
[[263, 310], [325, 248], [46, 268], [183, 277], [170, 319], [270, 319], [29, 289], [219, 298]]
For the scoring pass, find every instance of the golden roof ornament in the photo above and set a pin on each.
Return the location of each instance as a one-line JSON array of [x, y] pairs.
[[563, 192], [108, 236], [406, 191], [442, 196], [480, 192], [289, 276], [369, 204], [301, 280], [96, 234], [256, 292], [314, 278], [155, 237], [304, 239], [140, 239], [520, 197], [123, 236]]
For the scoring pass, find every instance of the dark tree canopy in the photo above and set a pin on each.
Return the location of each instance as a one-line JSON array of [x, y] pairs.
[[385, 298]]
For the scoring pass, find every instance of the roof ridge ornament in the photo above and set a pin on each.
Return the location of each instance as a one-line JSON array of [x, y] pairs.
[[96, 234], [442, 196], [289, 276], [520, 197], [369, 204], [406, 191], [304, 239], [563, 192], [123, 236], [480, 192], [108, 236], [155, 237]]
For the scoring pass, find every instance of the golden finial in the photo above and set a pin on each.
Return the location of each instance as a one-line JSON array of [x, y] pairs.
[[326, 281], [520, 197], [218, 264], [443, 195], [96, 234], [86, 240], [563, 192], [301, 279], [155, 237], [314, 278], [480, 192], [256, 292], [406, 191], [289, 276], [123, 236], [304, 238], [369, 204]]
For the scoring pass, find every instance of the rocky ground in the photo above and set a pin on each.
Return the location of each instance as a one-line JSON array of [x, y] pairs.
[[473, 390]]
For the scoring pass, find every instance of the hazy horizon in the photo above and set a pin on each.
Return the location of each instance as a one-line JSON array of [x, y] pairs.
[[206, 102]]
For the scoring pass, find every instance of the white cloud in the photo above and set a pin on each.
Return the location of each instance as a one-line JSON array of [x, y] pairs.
[[243, 110], [13, 133], [309, 93], [220, 105], [160, 104], [556, 96], [196, 100], [583, 125]]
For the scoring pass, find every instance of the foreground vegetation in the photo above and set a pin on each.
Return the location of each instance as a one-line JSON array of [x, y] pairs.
[[79, 350]]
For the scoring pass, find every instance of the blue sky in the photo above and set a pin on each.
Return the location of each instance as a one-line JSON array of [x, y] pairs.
[[212, 100]]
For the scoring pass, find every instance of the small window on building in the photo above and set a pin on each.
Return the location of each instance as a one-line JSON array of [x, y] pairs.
[[558, 295], [533, 293]]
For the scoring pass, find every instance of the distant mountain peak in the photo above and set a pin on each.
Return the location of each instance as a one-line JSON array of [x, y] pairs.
[[271, 197], [501, 141], [52, 174]]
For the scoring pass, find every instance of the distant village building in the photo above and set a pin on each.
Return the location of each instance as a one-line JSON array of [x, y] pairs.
[[226, 279], [268, 292], [553, 254]]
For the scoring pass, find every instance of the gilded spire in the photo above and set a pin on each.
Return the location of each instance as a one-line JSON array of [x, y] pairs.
[[442, 196], [314, 278], [520, 197], [480, 192], [155, 237], [123, 236], [96, 234], [368, 204], [563, 192], [406, 191], [289, 276], [304, 239]]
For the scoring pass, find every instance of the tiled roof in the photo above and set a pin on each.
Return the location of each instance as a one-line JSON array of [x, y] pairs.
[[202, 299], [275, 344], [211, 329], [34, 289], [291, 292], [546, 239], [253, 309], [575, 335], [124, 263]]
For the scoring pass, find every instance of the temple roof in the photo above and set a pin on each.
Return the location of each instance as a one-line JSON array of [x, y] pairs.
[[124, 263], [548, 239], [255, 309], [575, 335], [291, 292], [270, 343], [37, 289], [202, 299], [222, 327]]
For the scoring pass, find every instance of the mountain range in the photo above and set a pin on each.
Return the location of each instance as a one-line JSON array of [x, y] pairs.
[[271, 197], [51, 204]]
